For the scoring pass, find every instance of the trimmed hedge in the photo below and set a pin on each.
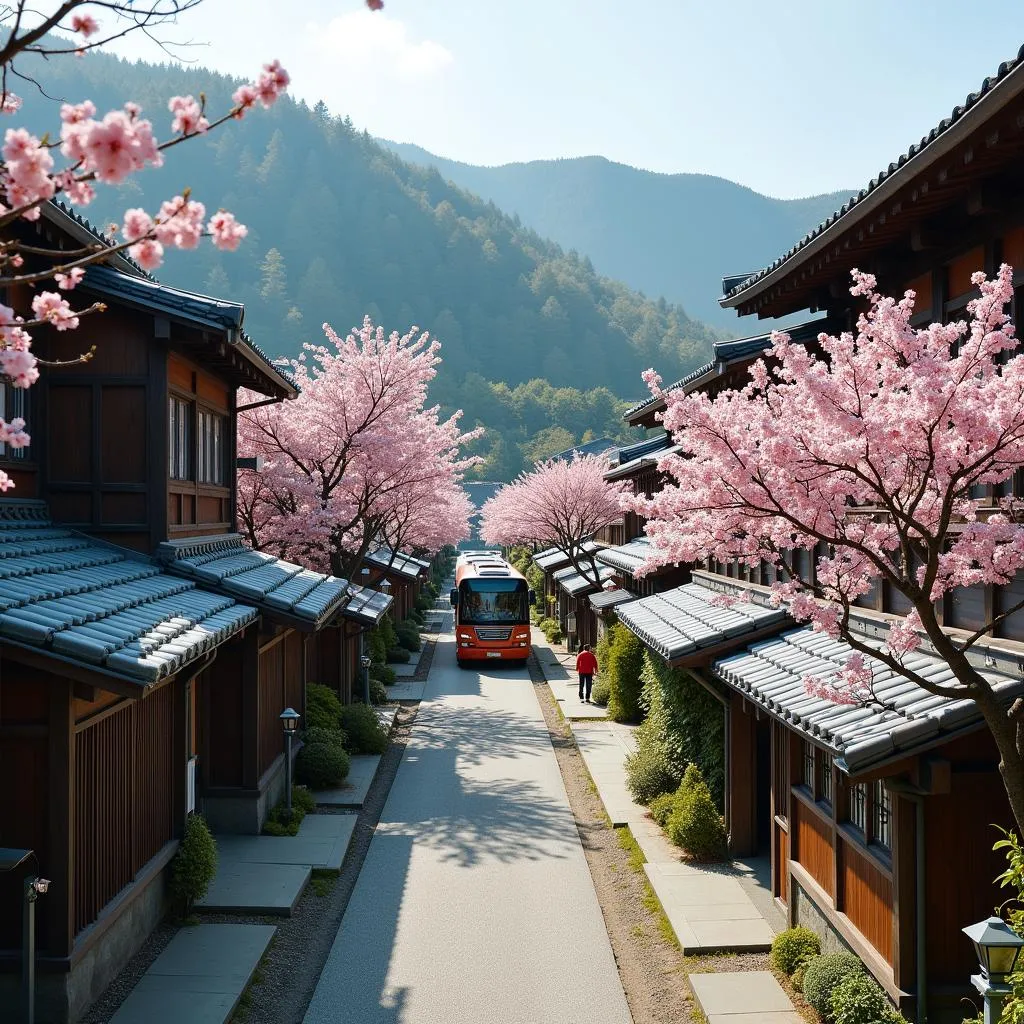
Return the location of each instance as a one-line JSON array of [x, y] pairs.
[[383, 673], [624, 664], [323, 708], [362, 726], [794, 947], [194, 865], [408, 635], [399, 656], [648, 774], [321, 734], [859, 999], [823, 975], [322, 765], [378, 692], [695, 823]]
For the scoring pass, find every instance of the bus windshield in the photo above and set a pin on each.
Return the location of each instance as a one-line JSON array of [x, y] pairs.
[[483, 602]]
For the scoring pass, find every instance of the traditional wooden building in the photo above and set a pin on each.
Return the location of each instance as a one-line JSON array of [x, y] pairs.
[[405, 576], [134, 689], [877, 820]]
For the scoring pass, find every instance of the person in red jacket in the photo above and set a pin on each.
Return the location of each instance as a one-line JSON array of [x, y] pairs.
[[586, 666]]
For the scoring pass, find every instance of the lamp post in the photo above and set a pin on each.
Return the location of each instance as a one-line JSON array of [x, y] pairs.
[[366, 661], [998, 946], [290, 721]]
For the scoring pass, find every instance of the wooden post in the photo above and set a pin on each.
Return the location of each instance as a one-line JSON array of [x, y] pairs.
[[741, 774], [60, 901], [250, 668]]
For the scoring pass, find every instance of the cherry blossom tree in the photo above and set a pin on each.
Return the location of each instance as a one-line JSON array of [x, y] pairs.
[[560, 502], [346, 459], [888, 455], [87, 153]]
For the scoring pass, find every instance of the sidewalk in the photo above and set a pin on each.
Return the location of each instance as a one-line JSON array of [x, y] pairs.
[[558, 666], [713, 908]]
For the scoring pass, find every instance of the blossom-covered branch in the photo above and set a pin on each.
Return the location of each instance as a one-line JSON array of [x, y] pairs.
[[887, 455]]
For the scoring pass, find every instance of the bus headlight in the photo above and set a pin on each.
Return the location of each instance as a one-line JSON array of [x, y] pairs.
[[465, 636]]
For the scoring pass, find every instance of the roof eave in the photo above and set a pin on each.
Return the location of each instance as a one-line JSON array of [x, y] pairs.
[[997, 97]]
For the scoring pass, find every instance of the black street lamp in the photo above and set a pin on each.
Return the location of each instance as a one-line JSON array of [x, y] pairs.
[[290, 720], [33, 889]]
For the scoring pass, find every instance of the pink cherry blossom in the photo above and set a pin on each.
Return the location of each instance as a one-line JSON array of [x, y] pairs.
[[137, 224], [226, 232], [149, 253], [188, 115], [244, 98], [86, 24], [68, 281], [9, 103], [180, 223], [54, 308]]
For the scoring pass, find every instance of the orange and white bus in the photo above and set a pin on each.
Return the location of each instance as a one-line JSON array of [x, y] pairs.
[[492, 609]]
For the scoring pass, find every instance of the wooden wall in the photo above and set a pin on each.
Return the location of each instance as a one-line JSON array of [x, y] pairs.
[[99, 429], [281, 685]]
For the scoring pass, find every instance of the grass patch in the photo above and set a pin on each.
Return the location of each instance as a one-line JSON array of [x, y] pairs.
[[628, 842], [325, 873], [323, 885]]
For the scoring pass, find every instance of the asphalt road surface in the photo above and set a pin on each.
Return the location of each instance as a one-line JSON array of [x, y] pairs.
[[474, 904]]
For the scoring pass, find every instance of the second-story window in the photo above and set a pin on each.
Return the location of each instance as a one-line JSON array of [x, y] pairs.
[[179, 439], [13, 402], [212, 431]]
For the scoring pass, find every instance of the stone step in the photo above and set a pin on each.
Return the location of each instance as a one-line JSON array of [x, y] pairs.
[[244, 888], [352, 792], [199, 977], [321, 844], [743, 997]]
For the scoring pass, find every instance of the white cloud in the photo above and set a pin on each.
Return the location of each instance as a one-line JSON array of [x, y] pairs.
[[367, 41]]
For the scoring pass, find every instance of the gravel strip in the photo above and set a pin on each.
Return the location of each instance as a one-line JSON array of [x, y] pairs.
[[651, 966]]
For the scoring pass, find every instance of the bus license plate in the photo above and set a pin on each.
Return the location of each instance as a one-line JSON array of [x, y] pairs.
[[494, 654]]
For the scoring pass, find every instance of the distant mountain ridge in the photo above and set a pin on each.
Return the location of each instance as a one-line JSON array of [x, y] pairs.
[[671, 235]]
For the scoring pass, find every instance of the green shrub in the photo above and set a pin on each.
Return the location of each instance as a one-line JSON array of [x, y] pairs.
[[858, 999], [625, 662], [194, 865], [322, 765], [378, 692], [383, 673], [685, 721], [321, 734], [798, 977], [417, 617], [695, 823], [399, 656], [822, 977], [381, 639], [661, 807], [602, 691], [365, 733], [408, 635], [303, 799], [323, 708], [648, 774], [793, 948]]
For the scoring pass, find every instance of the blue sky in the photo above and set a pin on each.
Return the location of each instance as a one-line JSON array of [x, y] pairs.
[[791, 97]]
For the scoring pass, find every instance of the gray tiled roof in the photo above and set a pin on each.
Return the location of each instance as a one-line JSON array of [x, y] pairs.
[[366, 606], [228, 564], [685, 620], [397, 561], [100, 606], [649, 445], [650, 459], [596, 447], [609, 598], [554, 558], [573, 583], [733, 351], [627, 557], [958, 112], [772, 674]]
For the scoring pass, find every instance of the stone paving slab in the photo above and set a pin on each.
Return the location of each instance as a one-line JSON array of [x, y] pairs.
[[255, 888], [739, 997], [199, 977], [407, 690], [321, 844], [352, 793], [408, 669], [387, 713]]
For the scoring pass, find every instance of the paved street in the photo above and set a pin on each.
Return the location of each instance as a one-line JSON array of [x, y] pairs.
[[475, 903]]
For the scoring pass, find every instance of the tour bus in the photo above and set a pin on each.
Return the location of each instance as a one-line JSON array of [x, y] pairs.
[[492, 609]]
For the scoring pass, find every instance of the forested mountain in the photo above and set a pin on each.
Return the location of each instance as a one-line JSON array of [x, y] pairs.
[[339, 226], [667, 234]]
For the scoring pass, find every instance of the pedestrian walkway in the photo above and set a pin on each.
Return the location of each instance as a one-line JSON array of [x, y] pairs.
[[474, 904], [563, 682], [199, 977], [711, 907], [267, 874], [352, 792]]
